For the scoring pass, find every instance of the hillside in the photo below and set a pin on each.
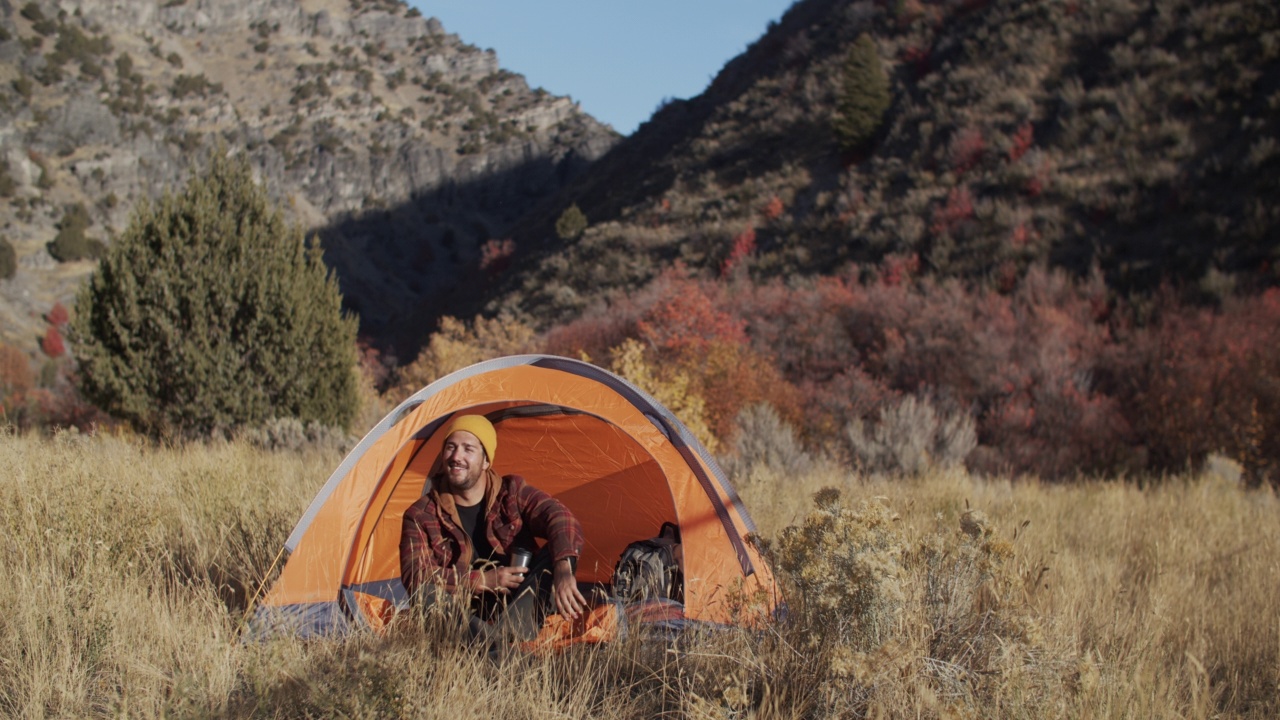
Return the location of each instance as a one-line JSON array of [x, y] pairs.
[[401, 146], [1136, 137]]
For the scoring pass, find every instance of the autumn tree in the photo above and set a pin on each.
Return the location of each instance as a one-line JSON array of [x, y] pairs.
[[457, 344], [864, 96], [209, 313]]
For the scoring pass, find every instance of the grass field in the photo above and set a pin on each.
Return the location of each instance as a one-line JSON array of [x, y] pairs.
[[127, 567]]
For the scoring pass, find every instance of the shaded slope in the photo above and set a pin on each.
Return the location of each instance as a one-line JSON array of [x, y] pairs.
[[1140, 138]]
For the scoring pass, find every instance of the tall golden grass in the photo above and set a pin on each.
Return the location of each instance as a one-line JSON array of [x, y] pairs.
[[126, 569]]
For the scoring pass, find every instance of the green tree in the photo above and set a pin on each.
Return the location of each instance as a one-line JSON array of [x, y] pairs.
[[571, 223], [210, 313], [864, 96]]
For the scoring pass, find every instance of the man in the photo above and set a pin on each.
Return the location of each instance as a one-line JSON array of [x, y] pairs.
[[460, 535]]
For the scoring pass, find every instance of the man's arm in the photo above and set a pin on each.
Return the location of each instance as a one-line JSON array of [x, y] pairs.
[[549, 518]]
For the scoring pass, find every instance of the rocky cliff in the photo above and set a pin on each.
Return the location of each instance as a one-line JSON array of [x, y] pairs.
[[403, 148]]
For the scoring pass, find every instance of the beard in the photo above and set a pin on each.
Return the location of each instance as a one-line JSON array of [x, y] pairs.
[[460, 480]]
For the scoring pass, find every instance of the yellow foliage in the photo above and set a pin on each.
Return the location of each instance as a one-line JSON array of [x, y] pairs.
[[458, 344], [671, 387]]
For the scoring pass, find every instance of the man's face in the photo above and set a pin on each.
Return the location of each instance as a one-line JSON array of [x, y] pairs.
[[464, 461]]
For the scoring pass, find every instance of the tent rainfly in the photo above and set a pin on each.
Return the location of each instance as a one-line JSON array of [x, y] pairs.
[[611, 453]]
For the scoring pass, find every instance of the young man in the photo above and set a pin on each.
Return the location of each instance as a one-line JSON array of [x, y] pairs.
[[461, 533]]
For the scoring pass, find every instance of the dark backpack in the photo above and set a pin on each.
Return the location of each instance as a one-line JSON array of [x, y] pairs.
[[648, 569]]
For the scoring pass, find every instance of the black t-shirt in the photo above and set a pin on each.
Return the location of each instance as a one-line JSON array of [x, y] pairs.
[[473, 524]]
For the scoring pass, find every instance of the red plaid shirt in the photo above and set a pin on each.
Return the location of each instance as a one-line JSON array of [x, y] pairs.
[[435, 549]]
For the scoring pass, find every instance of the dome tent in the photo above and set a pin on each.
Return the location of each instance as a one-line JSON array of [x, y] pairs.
[[619, 460]]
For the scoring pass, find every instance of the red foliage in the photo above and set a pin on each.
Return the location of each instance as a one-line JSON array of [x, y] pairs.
[[958, 209], [1020, 237], [495, 255], [1200, 381], [53, 407], [966, 149], [1021, 363], [743, 247], [773, 210], [1039, 178], [1058, 381], [687, 319], [594, 333], [52, 343], [58, 315], [921, 60], [377, 366], [1022, 140], [898, 268]]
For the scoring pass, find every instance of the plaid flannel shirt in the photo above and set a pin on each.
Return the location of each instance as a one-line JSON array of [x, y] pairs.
[[435, 549]]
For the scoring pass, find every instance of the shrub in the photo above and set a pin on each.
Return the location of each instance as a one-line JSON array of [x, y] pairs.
[[15, 371], [844, 566], [864, 96], [495, 255], [199, 85], [209, 313], [32, 12], [8, 259], [293, 435], [7, 184], [51, 344], [571, 223], [911, 438], [58, 315], [763, 439], [23, 86], [1199, 381], [71, 243], [670, 386], [457, 344]]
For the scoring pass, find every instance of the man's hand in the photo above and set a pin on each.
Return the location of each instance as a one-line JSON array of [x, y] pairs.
[[503, 580], [569, 602]]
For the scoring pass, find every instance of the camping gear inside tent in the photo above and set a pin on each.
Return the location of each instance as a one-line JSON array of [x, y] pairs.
[[619, 460]]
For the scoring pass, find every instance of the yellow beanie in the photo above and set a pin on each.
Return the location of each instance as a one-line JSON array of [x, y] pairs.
[[479, 426]]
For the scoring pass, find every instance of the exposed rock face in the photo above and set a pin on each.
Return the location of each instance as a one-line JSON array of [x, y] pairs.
[[400, 146]]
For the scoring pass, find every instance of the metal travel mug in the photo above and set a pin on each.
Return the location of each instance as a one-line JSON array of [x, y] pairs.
[[521, 557]]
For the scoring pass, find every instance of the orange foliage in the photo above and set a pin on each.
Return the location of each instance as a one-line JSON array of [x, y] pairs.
[[687, 319], [15, 371], [743, 247]]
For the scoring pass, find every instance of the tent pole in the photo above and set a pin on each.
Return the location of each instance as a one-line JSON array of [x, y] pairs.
[[262, 585]]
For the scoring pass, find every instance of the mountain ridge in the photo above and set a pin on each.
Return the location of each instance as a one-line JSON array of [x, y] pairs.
[[1135, 138], [346, 110]]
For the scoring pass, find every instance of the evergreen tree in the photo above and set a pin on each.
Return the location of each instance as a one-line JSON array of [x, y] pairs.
[[209, 313], [864, 96], [571, 223]]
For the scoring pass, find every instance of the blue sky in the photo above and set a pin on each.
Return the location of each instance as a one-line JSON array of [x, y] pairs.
[[619, 60]]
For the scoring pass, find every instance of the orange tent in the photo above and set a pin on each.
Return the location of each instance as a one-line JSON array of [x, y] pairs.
[[606, 449]]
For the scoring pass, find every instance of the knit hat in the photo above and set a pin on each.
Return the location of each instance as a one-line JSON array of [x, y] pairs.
[[479, 426]]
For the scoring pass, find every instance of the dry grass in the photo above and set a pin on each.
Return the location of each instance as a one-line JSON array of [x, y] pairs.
[[126, 567]]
